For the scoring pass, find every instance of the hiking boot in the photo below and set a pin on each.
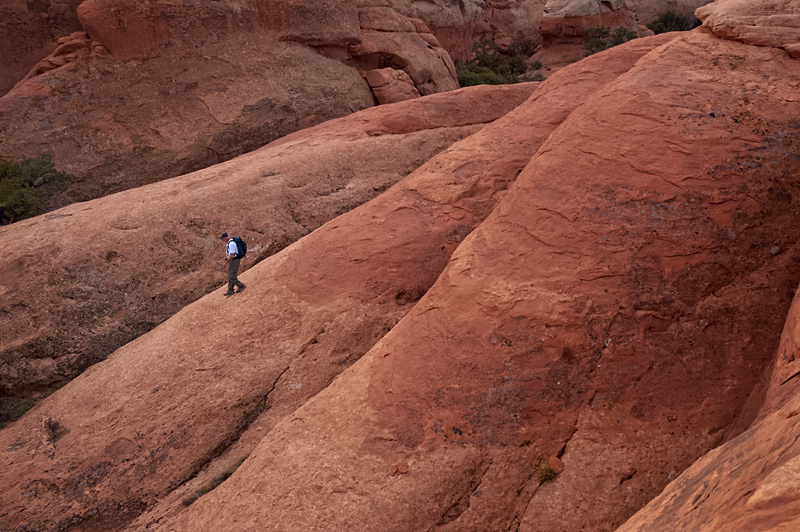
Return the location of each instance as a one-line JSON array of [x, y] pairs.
[[241, 288], [230, 292]]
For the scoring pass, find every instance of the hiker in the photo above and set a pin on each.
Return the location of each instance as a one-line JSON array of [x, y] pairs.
[[232, 258]]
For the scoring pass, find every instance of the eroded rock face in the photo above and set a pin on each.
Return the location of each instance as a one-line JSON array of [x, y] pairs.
[[310, 312], [390, 85], [572, 18], [29, 31], [306, 338], [457, 25], [160, 88], [760, 23]]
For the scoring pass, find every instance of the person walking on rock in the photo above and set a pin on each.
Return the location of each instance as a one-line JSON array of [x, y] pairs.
[[232, 262]]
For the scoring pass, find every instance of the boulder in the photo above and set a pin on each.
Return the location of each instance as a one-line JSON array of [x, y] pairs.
[[391, 86], [761, 22]]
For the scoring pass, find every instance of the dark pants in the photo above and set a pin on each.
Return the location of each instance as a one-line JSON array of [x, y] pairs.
[[233, 270]]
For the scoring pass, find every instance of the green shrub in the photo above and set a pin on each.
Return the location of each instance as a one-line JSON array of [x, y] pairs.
[[25, 184], [601, 38], [12, 408], [671, 21], [493, 65]]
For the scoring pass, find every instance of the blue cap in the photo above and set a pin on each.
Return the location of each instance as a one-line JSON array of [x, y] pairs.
[[224, 235]]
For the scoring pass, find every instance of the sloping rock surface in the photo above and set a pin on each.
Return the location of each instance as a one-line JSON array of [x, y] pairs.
[[616, 310], [160, 88], [280, 340], [93, 276], [190, 390], [751, 482]]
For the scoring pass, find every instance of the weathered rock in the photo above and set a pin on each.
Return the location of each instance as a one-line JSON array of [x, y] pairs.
[[88, 292], [457, 25], [648, 11], [352, 430], [573, 18], [617, 308], [391, 86], [409, 52], [166, 87], [306, 333], [760, 22], [751, 482], [28, 32]]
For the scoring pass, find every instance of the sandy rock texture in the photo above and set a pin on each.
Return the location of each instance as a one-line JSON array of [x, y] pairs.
[[760, 23], [751, 482], [649, 10], [227, 370], [160, 88], [618, 310], [29, 31], [93, 276], [570, 19], [457, 25]]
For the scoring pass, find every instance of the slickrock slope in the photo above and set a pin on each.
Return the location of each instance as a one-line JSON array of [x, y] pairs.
[[613, 314], [93, 276], [132, 428], [159, 88], [750, 483]]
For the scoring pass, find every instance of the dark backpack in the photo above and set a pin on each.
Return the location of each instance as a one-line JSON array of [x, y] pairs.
[[241, 247]]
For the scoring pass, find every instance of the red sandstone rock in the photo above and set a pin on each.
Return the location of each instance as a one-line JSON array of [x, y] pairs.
[[28, 32], [751, 482], [391, 86], [572, 18], [346, 401], [758, 22], [192, 84], [618, 307], [351, 280], [101, 293]]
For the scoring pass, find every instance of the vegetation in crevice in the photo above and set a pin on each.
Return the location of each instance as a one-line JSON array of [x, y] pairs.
[[26, 185], [602, 38], [493, 65], [672, 21]]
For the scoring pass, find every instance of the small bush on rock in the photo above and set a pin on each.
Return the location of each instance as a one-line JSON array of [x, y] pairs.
[[671, 21], [493, 65], [601, 38], [546, 473], [24, 185]]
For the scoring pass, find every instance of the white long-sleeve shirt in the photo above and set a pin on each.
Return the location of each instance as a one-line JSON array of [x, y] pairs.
[[232, 249]]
